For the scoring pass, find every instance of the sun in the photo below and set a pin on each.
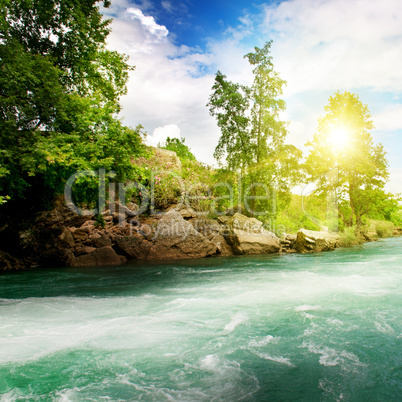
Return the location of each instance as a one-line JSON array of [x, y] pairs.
[[339, 137]]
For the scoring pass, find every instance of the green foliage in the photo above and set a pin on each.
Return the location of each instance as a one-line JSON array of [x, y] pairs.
[[100, 221], [59, 89], [396, 217], [361, 165], [349, 237], [167, 189], [178, 146], [384, 229], [306, 212], [229, 103], [252, 134]]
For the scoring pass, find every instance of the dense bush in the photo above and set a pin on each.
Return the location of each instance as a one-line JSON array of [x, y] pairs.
[[384, 229], [178, 146], [349, 237]]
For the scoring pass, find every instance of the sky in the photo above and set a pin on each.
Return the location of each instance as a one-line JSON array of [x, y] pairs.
[[319, 47]]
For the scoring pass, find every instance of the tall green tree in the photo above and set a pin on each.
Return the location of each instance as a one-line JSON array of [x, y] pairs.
[[59, 93], [252, 132], [229, 103], [343, 142]]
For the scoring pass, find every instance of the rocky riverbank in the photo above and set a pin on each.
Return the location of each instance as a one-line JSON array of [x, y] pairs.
[[60, 237]]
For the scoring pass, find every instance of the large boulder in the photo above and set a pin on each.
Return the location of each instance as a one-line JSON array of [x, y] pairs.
[[248, 236], [310, 241], [176, 238]]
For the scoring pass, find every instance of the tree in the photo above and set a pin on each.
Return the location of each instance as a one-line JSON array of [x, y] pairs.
[[229, 103], [252, 133], [343, 141], [59, 92]]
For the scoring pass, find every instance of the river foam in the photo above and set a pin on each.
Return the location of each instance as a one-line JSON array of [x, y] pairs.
[[308, 327]]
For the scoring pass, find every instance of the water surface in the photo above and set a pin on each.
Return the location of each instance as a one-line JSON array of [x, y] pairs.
[[322, 327]]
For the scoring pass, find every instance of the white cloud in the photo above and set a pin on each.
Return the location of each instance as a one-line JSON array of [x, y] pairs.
[[394, 184], [319, 46], [389, 119], [166, 90], [149, 23], [336, 44], [161, 133], [167, 5]]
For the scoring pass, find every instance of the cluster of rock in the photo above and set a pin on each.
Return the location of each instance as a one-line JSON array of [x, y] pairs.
[[61, 237], [288, 243]]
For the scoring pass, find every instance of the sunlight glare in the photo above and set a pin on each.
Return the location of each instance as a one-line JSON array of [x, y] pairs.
[[339, 137]]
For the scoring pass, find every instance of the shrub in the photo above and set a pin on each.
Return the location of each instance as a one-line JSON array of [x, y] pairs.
[[384, 229], [178, 146], [349, 238], [396, 218]]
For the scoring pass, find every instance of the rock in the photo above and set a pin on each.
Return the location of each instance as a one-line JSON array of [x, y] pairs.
[[247, 236], [67, 237], [188, 213], [167, 160], [288, 243], [146, 231], [185, 210], [118, 217], [134, 221], [108, 218], [310, 241], [99, 257], [176, 238], [290, 237], [223, 219], [238, 209], [132, 206], [60, 215], [88, 227], [8, 262], [100, 240], [132, 247], [80, 234], [206, 226], [81, 250], [116, 207], [222, 246]]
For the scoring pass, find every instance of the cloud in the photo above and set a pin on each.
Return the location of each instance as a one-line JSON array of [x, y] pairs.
[[389, 119], [160, 134], [335, 44], [320, 46], [394, 184], [148, 23], [168, 89], [167, 5]]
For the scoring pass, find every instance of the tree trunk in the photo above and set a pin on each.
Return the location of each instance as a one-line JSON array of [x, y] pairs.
[[351, 203]]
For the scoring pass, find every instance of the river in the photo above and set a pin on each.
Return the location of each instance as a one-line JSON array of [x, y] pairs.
[[318, 327]]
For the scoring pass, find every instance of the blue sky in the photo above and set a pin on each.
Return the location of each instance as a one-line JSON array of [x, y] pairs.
[[319, 47]]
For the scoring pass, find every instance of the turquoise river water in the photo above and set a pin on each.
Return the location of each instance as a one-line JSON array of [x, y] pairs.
[[322, 327]]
